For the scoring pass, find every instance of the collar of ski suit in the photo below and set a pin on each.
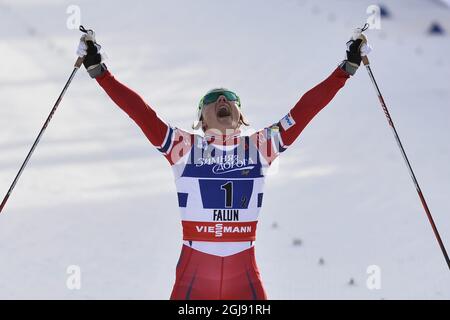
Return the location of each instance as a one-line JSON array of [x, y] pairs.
[[221, 139]]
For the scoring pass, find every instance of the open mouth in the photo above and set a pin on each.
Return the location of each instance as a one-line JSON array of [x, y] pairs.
[[224, 111]]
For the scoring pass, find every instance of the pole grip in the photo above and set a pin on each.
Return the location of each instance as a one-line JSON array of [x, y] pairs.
[[79, 62], [365, 60]]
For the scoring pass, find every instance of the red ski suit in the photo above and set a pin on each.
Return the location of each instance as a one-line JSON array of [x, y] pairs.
[[220, 195]]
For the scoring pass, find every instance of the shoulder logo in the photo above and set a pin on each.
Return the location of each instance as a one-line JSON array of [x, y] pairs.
[[287, 121]]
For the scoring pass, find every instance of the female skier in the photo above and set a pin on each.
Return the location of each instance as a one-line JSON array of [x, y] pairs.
[[219, 174]]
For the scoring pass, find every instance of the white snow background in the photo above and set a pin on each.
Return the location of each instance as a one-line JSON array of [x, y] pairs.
[[96, 194]]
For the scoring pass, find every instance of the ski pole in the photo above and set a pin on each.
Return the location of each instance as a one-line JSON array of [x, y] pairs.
[[24, 164], [366, 63]]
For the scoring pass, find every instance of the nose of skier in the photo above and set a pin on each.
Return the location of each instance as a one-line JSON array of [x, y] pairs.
[[222, 99], [222, 102]]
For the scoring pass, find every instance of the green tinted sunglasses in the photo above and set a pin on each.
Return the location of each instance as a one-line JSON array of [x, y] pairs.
[[212, 97]]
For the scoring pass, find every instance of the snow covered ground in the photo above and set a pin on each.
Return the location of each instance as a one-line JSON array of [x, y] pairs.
[[97, 195]]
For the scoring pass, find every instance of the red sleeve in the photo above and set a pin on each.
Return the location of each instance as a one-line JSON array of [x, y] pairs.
[[309, 105], [273, 140], [155, 129]]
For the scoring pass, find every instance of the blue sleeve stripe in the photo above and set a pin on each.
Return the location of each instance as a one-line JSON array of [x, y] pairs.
[[167, 142]]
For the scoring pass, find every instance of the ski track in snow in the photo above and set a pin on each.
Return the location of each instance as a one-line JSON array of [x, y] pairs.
[[97, 195]]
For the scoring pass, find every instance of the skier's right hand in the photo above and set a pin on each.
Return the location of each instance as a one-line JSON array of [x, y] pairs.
[[90, 50]]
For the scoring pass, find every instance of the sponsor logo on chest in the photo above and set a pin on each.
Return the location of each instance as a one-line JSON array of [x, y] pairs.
[[226, 163]]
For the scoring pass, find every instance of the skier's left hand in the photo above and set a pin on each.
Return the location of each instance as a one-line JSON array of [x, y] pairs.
[[357, 47], [90, 50]]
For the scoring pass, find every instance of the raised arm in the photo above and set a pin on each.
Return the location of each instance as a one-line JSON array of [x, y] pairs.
[[275, 139], [283, 133], [129, 101], [160, 134], [309, 106], [318, 97]]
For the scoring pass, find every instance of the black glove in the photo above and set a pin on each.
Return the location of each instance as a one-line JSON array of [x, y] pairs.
[[90, 50], [353, 51], [93, 56], [356, 47]]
